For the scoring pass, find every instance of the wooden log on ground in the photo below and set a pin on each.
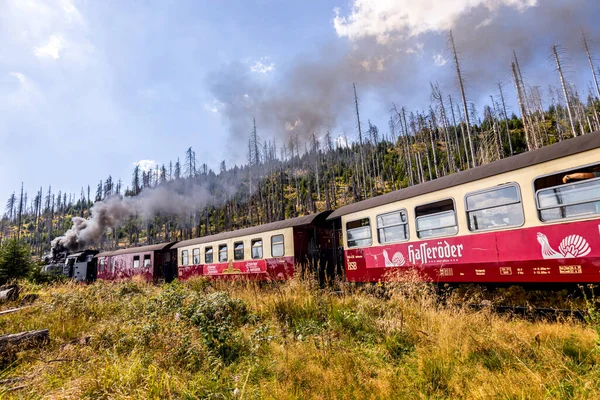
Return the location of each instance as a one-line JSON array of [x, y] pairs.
[[12, 310], [8, 293], [28, 338]]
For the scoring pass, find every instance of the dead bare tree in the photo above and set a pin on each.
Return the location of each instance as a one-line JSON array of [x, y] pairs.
[[528, 134], [464, 98], [555, 51], [436, 94], [360, 140], [505, 118], [589, 56]]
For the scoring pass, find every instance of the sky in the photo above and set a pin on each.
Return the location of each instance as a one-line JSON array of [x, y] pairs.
[[89, 88]]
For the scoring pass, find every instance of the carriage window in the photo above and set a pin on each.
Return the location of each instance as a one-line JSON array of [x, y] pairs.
[[101, 264], [136, 261], [238, 251], [208, 255], [195, 256], [112, 264], [359, 233], [572, 194], [392, 227], [495, 208], [257, 251], [222, 253], [184, 257], [147, 260], [436, 219], [277, 246]]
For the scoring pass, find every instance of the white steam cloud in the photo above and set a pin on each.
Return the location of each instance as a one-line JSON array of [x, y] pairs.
[[175, 198]]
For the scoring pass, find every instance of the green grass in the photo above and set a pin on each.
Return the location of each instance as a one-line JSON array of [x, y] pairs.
[[223, 340]]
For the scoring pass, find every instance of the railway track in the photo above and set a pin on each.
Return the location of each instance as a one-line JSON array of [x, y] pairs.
[[533, 313]]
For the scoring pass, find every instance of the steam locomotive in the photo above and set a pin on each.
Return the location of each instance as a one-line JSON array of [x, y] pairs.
[[530, 218]]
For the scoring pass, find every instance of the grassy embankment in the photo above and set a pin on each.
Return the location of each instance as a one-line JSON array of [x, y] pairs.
[[221, 340]]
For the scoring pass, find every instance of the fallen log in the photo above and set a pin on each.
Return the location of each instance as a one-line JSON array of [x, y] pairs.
[[12, 380], [29, 338], [12, 310], [8, 293]]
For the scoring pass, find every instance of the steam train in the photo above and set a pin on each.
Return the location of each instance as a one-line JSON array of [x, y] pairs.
[[531, 218]]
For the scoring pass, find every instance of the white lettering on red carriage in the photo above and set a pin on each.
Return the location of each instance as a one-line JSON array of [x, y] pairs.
[[440, 252]]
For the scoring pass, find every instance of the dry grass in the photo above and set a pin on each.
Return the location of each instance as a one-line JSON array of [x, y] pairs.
[[227, 340]]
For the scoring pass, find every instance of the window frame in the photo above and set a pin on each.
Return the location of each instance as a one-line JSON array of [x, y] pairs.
[[539, 209], [559, 172], [149, 259], [391, 226], [346, 232], [194, 256], [252, 241], [185, 254], [235, 257], [136, 258], [212, 254], [491, 189], [101, 264], [223, 245], [282, 243], [440, 227]]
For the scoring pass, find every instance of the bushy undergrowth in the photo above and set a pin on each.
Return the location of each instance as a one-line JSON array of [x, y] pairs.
[[213, 339]]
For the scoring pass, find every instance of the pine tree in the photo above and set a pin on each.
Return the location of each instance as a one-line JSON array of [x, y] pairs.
[[15, 261]]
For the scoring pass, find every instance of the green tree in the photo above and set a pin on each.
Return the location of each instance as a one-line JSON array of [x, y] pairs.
[[15, 260]]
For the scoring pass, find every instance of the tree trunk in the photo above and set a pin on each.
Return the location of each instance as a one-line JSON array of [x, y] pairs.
[[30, 338], [464, 99], [564, 88]]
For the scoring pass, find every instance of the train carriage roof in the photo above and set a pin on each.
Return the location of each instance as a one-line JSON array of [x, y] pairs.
[[139, 249], [273, 226], [562, 149]]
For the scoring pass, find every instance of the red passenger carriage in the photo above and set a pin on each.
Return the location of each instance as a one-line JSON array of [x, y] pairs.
[[150, 263], [531, 218]]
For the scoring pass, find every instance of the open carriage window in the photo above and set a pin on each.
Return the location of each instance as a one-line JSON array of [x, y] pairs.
[[392, 227], [101, 264], [436, 219], [277, 246], [208, 255], [238, 251], [359, 233], [495, 208], [147, 260], [184, 257], [196, 256], [568, 195], [257, 248], [136, 261], [222, 253]]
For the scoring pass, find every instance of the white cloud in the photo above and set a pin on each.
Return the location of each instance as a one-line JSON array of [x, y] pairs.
[[20, 77], [146, 165], [52, 49], [214, 107], [483, 23], [21, 95], [439, 60], [386, 19], [71, 12], [263, 66]]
